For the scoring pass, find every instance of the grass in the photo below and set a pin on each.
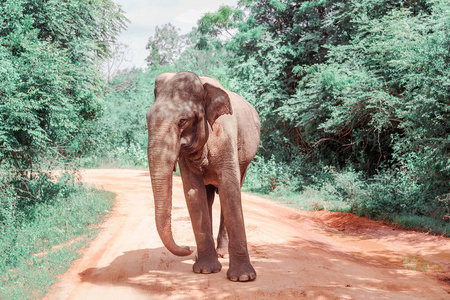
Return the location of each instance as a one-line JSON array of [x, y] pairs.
[[111, 163], [309, 199], [33, 253], [122, 157], [423, 224]]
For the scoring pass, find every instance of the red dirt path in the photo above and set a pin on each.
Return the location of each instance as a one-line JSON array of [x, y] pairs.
[[296, 254]]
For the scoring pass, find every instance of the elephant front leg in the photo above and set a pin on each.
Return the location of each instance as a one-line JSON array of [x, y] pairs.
[[197, 203], [230, 199]]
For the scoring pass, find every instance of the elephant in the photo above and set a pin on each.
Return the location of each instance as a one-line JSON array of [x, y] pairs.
[[213, 134]]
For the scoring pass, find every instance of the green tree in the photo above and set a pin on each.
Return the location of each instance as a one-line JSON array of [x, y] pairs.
[[220, 23], [119, 137], [360, 87], [51, 90], [50, 83], [383, 92], [278, 49], [165, 46], [214, 28], [351, 84], [114, 64]]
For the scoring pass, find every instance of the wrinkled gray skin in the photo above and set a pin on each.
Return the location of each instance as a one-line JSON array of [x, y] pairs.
[[213, 134]]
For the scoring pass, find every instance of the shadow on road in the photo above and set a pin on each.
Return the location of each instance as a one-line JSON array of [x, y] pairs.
[[298, 269], [141, 269]]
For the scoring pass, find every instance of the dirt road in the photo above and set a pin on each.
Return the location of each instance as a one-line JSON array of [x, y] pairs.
[[296, 254]]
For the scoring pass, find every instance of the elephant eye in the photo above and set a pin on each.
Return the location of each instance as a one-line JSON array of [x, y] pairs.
[[182, 122]]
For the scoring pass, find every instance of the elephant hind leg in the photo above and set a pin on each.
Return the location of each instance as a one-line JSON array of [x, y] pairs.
[[222, 238], [210, 190]]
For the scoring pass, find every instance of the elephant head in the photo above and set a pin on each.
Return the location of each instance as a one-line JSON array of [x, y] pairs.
[[179, 122]]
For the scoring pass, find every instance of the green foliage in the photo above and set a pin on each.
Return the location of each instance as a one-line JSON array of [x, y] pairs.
[[270, 176], [353, 97], [360, 86], [119, 137], [266, 176], [422, 223], [203, 61], [50, 93], [218, 24], [38, 244], [50, 87], [165, 46]]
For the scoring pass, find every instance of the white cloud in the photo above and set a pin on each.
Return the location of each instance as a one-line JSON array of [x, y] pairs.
[[190, 17]]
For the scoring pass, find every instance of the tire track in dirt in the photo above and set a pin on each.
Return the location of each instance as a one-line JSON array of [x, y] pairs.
[[296, 254]]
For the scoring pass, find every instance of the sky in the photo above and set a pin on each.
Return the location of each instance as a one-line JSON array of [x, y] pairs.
[[145, 15]]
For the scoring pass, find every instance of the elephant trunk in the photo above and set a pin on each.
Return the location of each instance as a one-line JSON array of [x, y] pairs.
[[162, 154]]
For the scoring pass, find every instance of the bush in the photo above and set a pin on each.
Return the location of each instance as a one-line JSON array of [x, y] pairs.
[[346, 186], [119, 137], [25, 201], [359, 86], [51, 87], [29, 262]]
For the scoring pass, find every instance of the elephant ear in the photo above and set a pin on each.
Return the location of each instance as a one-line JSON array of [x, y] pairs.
[[217, 103]]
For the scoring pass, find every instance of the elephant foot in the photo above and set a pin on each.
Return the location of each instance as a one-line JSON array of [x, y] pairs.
[[207, 265], [222, 245], [241, 272]]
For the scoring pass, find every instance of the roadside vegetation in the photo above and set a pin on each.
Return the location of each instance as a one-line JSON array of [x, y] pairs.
[[41, 240], [51, 91], [357, 105], [354, 99]]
